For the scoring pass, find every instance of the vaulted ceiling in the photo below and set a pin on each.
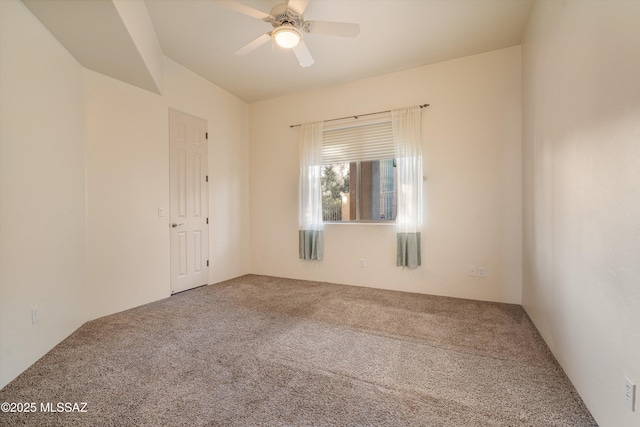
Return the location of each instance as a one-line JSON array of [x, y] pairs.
[[202, 35]]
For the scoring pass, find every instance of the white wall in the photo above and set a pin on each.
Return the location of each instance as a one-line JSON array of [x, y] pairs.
[[42, 190], [128, 181], [581, 192], [84, 170], [471, 147]]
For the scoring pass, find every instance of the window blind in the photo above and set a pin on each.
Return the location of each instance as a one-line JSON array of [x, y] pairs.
[[358, 141]]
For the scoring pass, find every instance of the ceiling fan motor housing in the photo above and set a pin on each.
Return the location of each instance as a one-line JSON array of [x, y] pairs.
[[283, 15]]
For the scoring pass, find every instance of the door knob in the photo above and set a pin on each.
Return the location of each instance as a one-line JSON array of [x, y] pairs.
[[174, 225]]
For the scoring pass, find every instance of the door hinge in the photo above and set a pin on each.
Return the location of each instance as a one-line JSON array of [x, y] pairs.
[[207, 220], [206, 135], [207, 263], [206, 178]]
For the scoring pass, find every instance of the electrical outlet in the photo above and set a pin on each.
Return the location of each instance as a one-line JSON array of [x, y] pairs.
[[473, 271], [482, 273], [629, 393], [35, 314], [363, 263]]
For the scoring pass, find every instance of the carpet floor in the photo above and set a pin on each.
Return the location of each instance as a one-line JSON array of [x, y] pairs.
[[265, 351]]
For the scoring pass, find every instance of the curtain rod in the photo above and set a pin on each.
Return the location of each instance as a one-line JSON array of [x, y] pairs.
[[361, 115]]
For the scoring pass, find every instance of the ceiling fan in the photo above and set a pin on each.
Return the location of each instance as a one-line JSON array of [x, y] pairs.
[[288, 27]]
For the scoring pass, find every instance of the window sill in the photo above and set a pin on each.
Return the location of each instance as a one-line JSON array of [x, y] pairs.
[[376, 223]]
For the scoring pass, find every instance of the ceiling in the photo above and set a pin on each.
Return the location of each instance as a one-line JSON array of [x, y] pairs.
[[202, 35]]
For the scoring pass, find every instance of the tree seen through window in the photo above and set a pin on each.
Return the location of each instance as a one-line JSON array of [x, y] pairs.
[[359, 191]]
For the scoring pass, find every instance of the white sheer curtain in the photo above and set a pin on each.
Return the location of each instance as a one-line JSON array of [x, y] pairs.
[[407, 132], [310, 226]]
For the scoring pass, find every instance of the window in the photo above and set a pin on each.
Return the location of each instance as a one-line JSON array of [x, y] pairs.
[[359, 175]]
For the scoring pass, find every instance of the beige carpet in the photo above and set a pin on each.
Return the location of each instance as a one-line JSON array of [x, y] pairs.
[[264, 351]]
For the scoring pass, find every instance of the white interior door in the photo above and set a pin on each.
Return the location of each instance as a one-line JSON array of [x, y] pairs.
[[188, 201]]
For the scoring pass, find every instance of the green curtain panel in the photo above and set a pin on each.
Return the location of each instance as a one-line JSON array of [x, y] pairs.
[[409, 250], [310, 224], [311, 244], [408, 148]]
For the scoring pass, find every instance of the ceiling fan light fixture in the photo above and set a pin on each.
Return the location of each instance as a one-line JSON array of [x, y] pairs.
[[287, 36]]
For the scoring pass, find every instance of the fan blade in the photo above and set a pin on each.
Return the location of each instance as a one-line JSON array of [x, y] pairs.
[[342, 29], [302, 53], [298, 6], [254, 44], [246, 10]]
